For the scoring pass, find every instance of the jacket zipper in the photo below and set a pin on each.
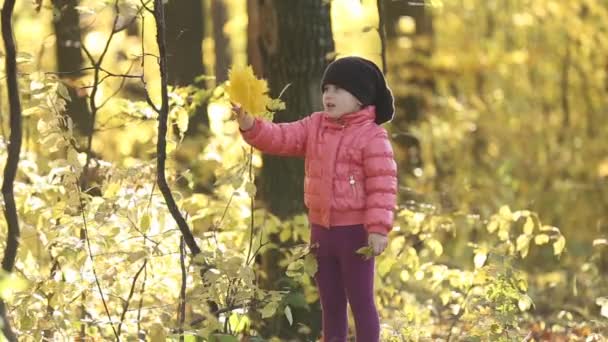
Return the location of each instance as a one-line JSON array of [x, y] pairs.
[[353, 184]]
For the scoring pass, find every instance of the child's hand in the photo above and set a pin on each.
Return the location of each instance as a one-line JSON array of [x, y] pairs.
[[244, 119], [377, 242]]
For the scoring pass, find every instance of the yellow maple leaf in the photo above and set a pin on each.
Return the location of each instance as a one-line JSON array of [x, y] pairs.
[[247, 90]]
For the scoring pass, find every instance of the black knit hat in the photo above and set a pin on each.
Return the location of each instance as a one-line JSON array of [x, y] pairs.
[[365, 81]]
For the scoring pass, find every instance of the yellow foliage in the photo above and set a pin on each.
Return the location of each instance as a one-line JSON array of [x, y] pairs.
[[247, 90]]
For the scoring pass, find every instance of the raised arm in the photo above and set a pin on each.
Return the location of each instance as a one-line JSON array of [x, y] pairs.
[[380, 184], [284, 139]]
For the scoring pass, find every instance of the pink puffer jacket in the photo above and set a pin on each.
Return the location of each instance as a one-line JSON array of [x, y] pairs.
[[350, 175]]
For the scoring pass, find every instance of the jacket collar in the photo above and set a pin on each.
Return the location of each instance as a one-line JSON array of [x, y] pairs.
[[365, 115]]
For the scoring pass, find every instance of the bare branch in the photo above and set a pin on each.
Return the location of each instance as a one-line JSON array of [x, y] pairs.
[[145, 5], [161, 145], [382, 33], [58, 73], [141, 304], [88, 241], [131, 292], [14, 149], [182, 293]]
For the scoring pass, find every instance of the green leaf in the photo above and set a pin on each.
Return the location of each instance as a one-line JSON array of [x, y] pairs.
[[250, 189], [541, 239], [182, 120], [285, 235], [144, 223], [288, 314], [275, 105], [559, 245], [524, 303], [269, 309], [505, 212], [385, 266], [366, 251], [435, 246], [529, 226], [493, 226], [62, 90], [294, 269], [133, 257], [310, 265], [523, 244]]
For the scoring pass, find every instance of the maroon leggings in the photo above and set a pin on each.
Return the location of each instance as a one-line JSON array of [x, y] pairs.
[[343, 274]]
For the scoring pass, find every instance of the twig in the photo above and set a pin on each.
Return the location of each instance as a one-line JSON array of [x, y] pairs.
[[565, 80], [382, 33], [68, 72], [251, 226], [144, 5], [141, 335], [131, 292], [182, 293], [14, 148], [88, 241], [161, 146]]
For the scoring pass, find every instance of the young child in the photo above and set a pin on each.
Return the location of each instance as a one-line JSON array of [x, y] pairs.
[[350, 186]]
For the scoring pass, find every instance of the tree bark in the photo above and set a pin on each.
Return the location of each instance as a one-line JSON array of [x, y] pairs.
[[185, 30], [66, 24], [161, 146], [288, 44], [14, 149], [223, 58], [294, 39]]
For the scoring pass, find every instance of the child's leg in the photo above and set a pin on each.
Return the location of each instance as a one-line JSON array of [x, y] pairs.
[[358, 277], [331, 288]]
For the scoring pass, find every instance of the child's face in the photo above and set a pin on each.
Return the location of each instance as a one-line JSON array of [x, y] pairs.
[[337, 101]]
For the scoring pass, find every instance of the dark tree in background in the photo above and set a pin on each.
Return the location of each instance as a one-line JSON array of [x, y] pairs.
[[223, 58], [288, 43], [185, 32], [413, 87], [292, 43], [66, 23], [410, 90]]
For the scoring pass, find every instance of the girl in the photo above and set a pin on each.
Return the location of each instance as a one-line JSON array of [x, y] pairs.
[[350, 186]]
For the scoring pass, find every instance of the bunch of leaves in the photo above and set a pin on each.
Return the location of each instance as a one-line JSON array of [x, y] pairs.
[[245, 89]]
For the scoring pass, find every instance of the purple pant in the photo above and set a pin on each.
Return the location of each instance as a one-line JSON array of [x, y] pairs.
[[343, 274]]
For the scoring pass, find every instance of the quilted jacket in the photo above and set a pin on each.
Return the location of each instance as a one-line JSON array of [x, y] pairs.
[[350, 170]]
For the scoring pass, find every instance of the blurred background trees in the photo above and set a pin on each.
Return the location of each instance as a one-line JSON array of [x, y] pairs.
[[499, 134]]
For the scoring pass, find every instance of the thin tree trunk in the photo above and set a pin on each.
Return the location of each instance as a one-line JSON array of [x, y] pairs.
[[66, 23], [14, 149], [223, 58], [163, 111], [185, 30], [409, 106]]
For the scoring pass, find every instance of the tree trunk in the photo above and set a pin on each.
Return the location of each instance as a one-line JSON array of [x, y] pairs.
[[411, 105], [66, 23], [288, 44], [294, 39], [410, 91], [223, 59], [12, 160], [185, 29]]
